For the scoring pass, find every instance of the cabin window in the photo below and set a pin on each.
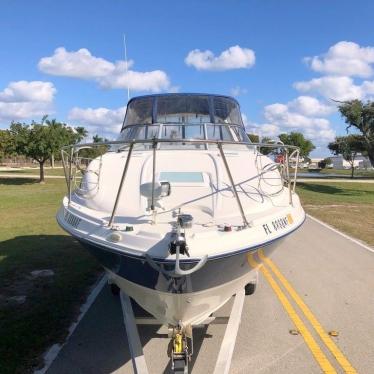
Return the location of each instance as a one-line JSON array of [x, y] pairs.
[[218, 132], [226, 111], [139, 112], [183, 109]]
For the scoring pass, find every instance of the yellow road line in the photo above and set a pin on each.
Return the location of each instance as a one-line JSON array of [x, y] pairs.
[[343, 361], [308, 338]]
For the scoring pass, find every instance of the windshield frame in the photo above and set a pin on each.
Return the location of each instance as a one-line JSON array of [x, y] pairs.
[[226, 132], [209, 97]]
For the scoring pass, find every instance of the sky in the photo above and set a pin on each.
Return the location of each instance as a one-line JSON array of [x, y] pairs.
[[284, 61]]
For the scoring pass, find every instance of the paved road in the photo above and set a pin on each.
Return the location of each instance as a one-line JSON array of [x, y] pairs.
[[333, 276]]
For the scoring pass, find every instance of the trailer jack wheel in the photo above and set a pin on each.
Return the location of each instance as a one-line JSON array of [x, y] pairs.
[[250, 288]]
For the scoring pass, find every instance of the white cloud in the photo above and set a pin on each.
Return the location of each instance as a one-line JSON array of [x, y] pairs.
[[263, 129], [23, 110], [270, 130], [345, 59], [82, 64], [285, 118], [79, 64], [281, 114], [26, 100], [237, 91], [233, 58], [102, 121], [333, 87], [154, 81], [310, 106], [24, 91], [342, 62]]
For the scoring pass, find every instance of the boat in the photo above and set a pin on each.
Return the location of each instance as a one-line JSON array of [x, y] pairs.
[[177, 209]]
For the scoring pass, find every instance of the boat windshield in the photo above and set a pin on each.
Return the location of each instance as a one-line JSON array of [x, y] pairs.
[[208, 131], [183, 116]]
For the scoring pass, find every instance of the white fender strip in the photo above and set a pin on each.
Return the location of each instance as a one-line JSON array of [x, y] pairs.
[[228, 343], [136, 349]]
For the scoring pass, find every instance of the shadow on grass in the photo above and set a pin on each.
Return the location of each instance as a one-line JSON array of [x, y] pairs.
[[17, 181], [320, 188], [51, 304]]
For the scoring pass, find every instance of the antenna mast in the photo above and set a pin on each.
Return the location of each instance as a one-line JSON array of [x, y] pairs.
[[126, 67]]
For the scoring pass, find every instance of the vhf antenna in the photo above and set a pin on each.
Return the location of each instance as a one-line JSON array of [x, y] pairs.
[[126, 67]]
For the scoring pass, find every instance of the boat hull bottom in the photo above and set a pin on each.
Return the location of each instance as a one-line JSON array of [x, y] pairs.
[[187, 308], [189, 299]]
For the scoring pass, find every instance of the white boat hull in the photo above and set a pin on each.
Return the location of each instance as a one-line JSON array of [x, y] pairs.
[[188, 308]]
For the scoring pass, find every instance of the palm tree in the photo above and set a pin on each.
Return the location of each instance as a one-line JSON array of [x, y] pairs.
[[97, 139], [51, 123], [81, 133]]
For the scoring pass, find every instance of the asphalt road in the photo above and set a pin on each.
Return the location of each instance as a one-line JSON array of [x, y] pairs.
[[330, 277]]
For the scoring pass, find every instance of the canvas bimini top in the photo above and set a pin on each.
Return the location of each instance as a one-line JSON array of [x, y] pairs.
[[183, 116]]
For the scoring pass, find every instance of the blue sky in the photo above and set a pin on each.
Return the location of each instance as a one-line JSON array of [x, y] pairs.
[[61, 58]]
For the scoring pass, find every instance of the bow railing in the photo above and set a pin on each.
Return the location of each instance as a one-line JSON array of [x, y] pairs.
[[76, 159]]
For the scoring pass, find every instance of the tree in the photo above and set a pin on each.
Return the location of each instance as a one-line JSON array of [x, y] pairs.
[[297, 139], [254, 138], [39, 141], [98, 139], [361, 116], [267, 150], [81, 133], [323, 163], [348, 146], [6, 144]]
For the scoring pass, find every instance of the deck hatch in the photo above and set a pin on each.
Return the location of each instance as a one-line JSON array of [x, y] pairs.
[[182, 176]]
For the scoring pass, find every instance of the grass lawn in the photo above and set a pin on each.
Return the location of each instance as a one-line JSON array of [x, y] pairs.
[[347, 206], [346, 173], [47, 171], [358, 172], [30, 239]]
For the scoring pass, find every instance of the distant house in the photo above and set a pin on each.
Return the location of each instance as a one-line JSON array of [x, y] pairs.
[[361, 162], [316, 160]]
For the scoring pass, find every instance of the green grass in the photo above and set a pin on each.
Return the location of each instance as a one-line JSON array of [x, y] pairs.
[[336, 193], [357, 173], [34, 171], [346, 206], [30, 239]]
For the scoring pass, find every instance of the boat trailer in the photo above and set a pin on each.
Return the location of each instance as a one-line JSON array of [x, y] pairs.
[[181, 343]]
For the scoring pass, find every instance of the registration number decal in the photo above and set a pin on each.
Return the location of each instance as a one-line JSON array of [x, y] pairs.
[[278, 224]]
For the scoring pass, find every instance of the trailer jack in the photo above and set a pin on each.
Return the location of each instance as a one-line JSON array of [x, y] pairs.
[[180, 353]]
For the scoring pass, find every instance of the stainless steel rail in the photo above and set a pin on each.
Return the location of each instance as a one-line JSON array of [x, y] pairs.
[[73, 150], [191, 141], [121, 185], [235, 192], [154, 146]]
